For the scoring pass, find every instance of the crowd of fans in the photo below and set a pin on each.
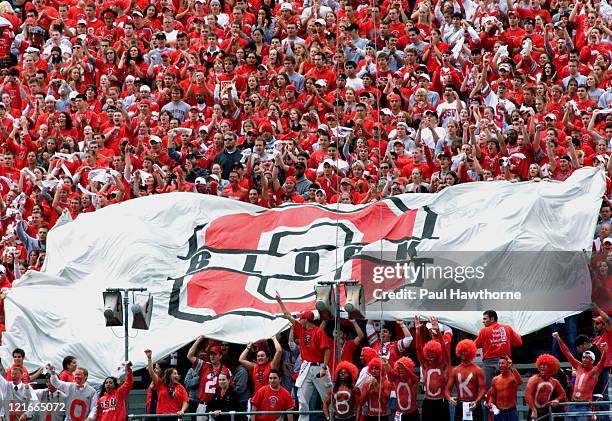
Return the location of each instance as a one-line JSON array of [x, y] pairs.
[[375, 379], [269, 102], [320, 101]]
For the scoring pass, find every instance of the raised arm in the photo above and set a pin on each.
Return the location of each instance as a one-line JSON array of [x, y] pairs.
[[278, 353], [573, 361], [152, 373], [604, 316], [286, 312], [60, 385], [191, 354], [243, 357], [359, 331], [419, 342], [124, 390]]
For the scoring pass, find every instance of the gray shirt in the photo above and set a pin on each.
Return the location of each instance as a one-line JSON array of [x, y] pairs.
[[177, 109]]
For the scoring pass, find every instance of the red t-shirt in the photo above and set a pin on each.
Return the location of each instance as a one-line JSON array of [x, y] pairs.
[[607, 338], [313, 343], [496, 340], [267, 399], [170, 403]]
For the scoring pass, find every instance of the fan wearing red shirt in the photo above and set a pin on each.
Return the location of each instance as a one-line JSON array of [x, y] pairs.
[[496, 340], [469, 379], [347, 347], [111, 405], [234, 190], [69, 365], [18, 357], [261, 368], [172, 397], [272, 397], [567, 163], [208, 371], [603, 329], [314, 350], [320, 71]]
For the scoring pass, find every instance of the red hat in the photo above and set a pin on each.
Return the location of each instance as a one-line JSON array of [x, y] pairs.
[[146, 102], [290, 88], [308, 315], [598, 319], [66, 187], [178, 170], [292, 179], [215, 348], [393, 96]]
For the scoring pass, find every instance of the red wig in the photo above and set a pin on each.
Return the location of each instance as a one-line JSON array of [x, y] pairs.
[[432, 346], [368, 354], [376, 363], [552, 363], [350, 367], [468, 346], [405, 362]]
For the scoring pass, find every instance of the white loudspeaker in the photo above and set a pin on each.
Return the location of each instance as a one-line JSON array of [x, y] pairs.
[[355, 302], [113, 308], [142, 309], [326, 302]]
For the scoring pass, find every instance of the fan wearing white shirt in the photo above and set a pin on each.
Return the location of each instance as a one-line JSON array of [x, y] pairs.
[[16, 395], [56, 404], [81, 399], [451, 107]]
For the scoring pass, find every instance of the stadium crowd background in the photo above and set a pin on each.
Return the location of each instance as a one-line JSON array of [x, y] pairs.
[[271, 102]]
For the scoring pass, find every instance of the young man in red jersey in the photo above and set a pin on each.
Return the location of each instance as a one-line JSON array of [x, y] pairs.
[[272, 397]]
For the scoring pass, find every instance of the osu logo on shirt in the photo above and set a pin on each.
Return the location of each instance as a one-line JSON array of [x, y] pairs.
[[237, 262], [273, 401]]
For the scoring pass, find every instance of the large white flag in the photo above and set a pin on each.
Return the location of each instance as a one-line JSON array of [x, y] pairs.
[[213, 265]]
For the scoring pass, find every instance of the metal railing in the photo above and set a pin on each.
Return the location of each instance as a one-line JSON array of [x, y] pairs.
[[563, 415], [231, 414]]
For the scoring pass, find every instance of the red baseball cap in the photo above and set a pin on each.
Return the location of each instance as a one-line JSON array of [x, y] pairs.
[[292, 179], [215, 349], [598, 319], [308, 315]]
